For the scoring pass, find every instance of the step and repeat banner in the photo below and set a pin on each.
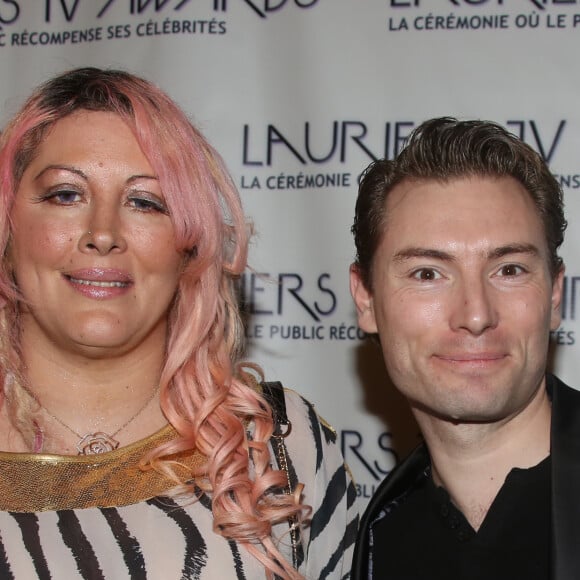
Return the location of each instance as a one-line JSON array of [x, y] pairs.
[[299, 96]]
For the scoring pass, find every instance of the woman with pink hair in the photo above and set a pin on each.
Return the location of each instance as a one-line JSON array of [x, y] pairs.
[[134, 442]]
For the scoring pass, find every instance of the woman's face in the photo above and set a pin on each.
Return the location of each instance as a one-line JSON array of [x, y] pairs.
[[92, 246]]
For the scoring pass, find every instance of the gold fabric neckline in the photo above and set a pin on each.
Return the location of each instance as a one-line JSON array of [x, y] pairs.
[[31, 482]]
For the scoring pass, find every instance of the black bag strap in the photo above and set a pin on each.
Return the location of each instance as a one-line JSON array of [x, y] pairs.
[[273, 392]]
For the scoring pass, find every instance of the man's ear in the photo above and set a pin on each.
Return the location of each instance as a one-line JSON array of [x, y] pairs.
[[557, 290], [363, 300]]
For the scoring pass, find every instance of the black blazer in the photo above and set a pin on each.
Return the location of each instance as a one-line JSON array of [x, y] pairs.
[[565, 461]]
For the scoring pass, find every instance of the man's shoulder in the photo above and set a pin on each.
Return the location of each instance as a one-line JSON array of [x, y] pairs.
[[400, 481], [565, 399], [554, 382], [565, 412], [393, 488]]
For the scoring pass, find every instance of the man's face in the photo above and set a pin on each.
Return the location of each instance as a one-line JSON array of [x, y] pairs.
[[462, 297]]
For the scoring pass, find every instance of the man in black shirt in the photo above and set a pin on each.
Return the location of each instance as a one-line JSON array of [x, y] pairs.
[[458, 274]]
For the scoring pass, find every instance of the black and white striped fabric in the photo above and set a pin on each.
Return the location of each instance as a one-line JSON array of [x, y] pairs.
[[163, 539]]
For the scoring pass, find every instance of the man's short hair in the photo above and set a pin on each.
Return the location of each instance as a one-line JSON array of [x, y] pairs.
[[444, 149]]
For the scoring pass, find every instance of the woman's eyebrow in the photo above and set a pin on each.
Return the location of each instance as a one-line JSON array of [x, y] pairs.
[[59, 167]]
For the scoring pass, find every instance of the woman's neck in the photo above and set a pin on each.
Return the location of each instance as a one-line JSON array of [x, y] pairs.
[[80, 395]]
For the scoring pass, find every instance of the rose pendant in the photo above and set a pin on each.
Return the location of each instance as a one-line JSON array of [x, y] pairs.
[[95, 443]]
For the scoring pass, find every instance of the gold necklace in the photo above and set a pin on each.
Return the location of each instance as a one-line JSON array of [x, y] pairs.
[[99, 441]]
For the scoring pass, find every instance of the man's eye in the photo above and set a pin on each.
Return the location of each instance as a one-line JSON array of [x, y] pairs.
[[511, 270], [426, 274]]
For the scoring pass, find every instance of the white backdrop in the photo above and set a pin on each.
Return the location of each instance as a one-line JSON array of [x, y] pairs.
[[299, 96]]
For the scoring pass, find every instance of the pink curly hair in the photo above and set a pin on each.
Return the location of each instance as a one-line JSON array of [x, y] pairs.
[[206, 393]]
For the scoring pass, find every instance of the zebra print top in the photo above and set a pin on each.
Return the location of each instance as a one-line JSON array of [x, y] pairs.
[[164, 538]]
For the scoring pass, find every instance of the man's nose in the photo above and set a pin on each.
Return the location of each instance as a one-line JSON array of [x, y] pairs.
[[474, 309]]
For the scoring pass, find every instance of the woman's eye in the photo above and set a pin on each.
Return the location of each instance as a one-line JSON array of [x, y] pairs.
[[148, 204], [426, 274], [62, 197]]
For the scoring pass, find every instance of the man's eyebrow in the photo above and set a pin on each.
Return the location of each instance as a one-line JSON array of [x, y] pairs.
[[509, 249], [496, 253], [417, 252]]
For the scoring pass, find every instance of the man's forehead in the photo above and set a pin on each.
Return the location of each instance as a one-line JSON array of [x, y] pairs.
[[479, 214], [447, 197], [457, 184]]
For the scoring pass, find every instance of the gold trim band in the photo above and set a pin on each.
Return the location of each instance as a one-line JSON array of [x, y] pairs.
[[40, 482]]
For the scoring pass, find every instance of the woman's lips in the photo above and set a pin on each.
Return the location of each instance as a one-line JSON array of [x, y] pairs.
[[99, 283]]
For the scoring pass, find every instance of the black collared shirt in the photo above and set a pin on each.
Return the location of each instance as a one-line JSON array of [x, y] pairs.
[[427, 537]]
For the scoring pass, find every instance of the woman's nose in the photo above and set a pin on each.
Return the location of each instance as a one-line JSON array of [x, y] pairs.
[[104, 232]]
